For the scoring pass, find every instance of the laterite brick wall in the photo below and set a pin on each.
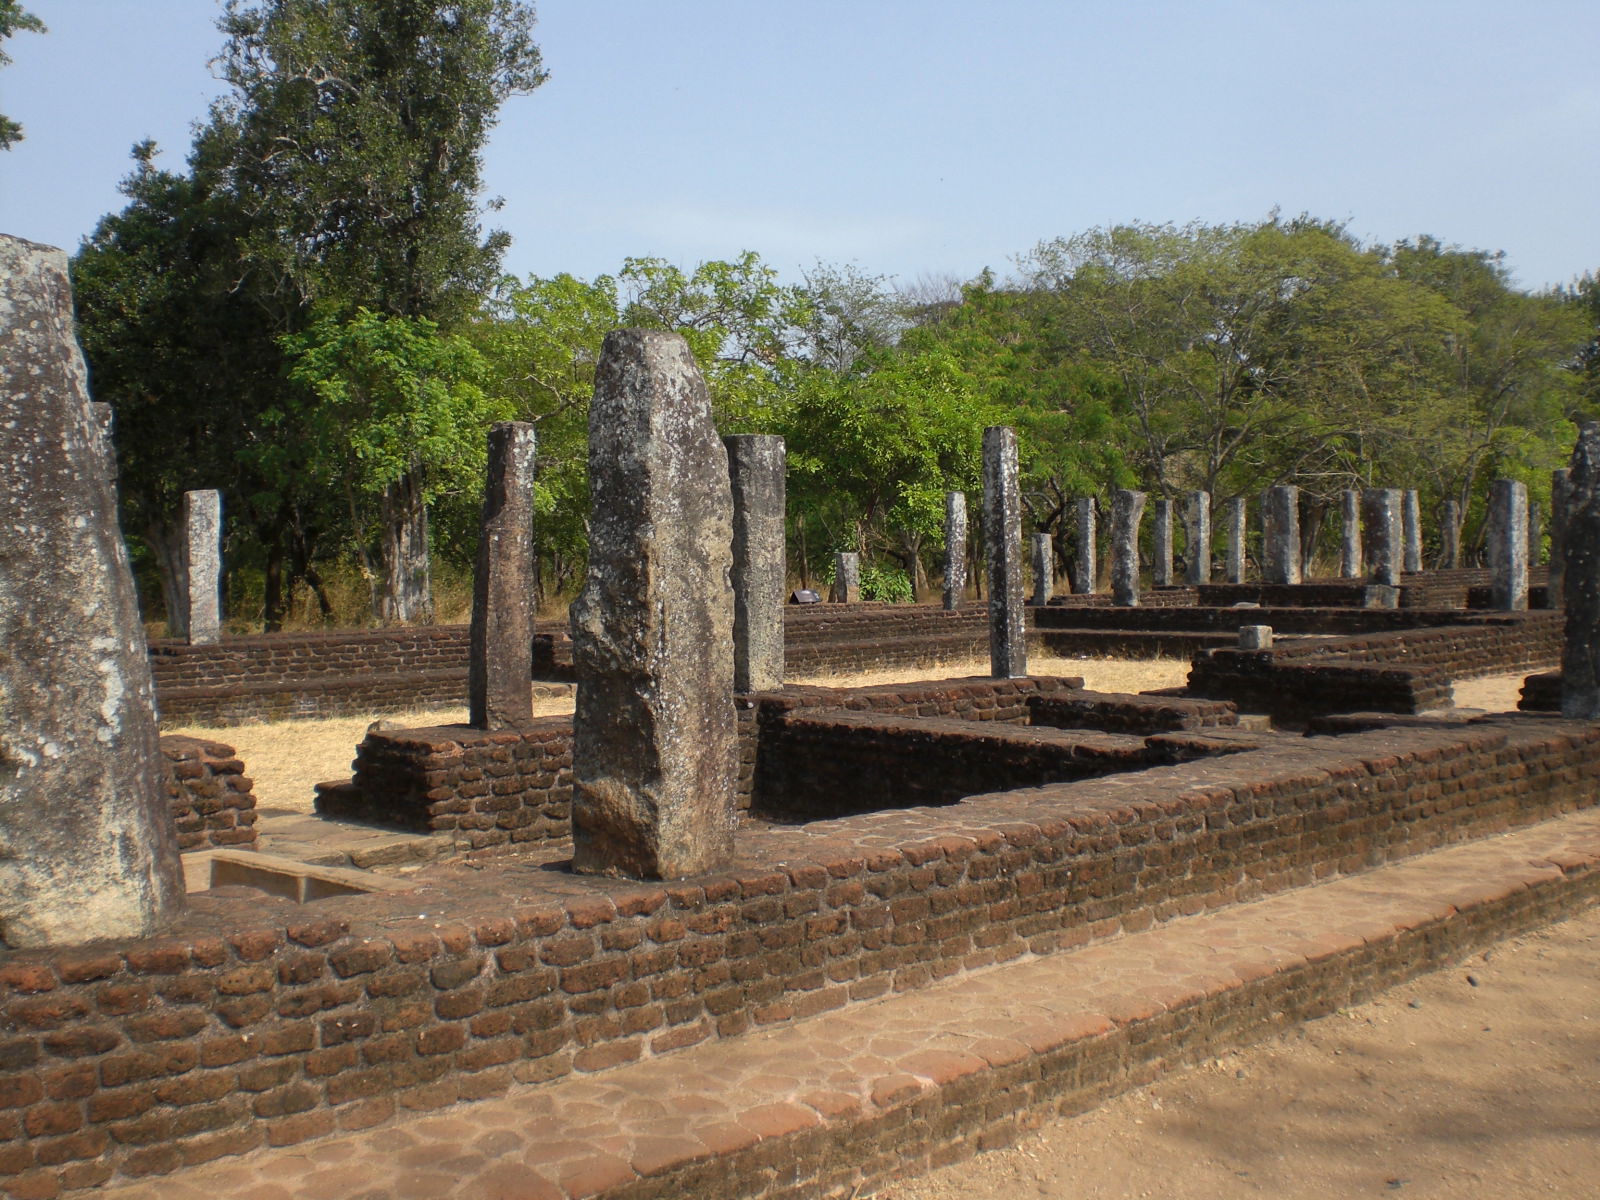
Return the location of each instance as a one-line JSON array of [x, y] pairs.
[[211, 797]]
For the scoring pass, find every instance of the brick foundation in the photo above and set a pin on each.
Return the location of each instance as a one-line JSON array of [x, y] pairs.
[[212, 802]]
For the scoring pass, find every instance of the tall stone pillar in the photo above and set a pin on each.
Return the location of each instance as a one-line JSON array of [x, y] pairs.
[[655, 750], [1126, 509], [1280, 535], [1580, 546], [1450, 536], [202, 563], [1197, 537], [846, 578], [1083, 579], [1411, 530], [757, 468], [1383, 509], [1044, 557], [1002, 536], [955, 549], [1508, 503], [1238, 530], [1560, 511], [89, 847], [500, 639], [1351, 561], [1161, 545]]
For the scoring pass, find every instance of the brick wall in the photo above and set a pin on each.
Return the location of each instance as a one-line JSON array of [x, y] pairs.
[[212, 801]]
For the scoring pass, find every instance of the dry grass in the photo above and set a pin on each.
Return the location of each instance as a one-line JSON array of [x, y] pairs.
[[1099, 674], [1494, 693]]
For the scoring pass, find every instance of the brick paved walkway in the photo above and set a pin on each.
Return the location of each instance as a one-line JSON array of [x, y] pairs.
[[844, 1100]]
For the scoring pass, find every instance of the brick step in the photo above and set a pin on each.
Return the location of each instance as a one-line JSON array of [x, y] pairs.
[[839, 1104]]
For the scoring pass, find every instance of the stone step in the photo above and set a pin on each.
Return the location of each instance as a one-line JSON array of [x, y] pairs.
[[840, 1104]]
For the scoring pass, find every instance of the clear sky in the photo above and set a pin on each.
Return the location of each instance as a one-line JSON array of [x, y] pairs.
[[925, 136]]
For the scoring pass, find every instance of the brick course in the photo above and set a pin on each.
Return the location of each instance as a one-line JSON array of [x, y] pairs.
[[212, 801]]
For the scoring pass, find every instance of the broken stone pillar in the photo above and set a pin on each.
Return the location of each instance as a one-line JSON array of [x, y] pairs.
[[1238, 529], [1350, 557], [87, 845], [1560, 502], [1580, 544], [846, 578], [1255, 637], [1508, 557], [1450, 536], [1535, 532], [955, 549], [500, 639], [1280, 535], [1161, 545], [1385, 533], [1197, 537], [1411, 528], [655, 751], [1126, 509], [202, 565], [1043, 568], [1002, 536], [1084, 579], [757, 465]]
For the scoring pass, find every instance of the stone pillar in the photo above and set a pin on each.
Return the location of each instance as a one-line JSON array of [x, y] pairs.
[[1238, 529], [1560, 504], [202, 565], [1197, 537], [846, 578], [1535, 532], [1411, 531], [500, 639], [655, 751], [1351, 563], [955, 549], [1508, 504], [1044, 558], [1083, 581], [1280, 535], [1002, 537], [1255, 637], [1383, 510], [1580, 546], [1450, 536], [106, 419], [757, 466], [89, 847], [1126, 509], [1161, 547]]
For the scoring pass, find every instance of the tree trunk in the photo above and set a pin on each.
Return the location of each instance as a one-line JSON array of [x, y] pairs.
[[407, 597], [166, 540]]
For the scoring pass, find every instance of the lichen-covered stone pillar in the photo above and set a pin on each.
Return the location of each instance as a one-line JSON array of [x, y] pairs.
[[1043, 568], [1280, 535], [1449, 536], [1560, 507], [655, 750], [1197, 538], [1161, 544], [1508, 504], [1238, 530], [500, 639], [757, 466], [1126, 509], [202, 565], [846, 578], [1002, 537], [1351, 561], [87, 845], [955, 549], [1580, 546], [1088, 567], [1411, 531], [1383, 510]]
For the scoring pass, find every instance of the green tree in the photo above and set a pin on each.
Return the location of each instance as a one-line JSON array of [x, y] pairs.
[[13, 19]]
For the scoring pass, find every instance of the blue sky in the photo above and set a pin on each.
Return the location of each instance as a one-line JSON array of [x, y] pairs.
[[926, 137]]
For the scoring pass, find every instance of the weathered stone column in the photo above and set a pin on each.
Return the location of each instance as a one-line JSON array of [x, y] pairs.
[[955, 549], [1197, 538], [1280, 535], [87, 845], [1580, 545], [1411, 529], [1238, 530], [1351, 562], [1535, 532], [1560, 508], [1450, 536], [1385, 533], [1508, 502], [1126, 509], [1255, 637], [757, 467], [1044, 558], [1087, 567], [202, 565], [846, 578], [500, 639], [655, 750], [1002, 536], [1161, 545]]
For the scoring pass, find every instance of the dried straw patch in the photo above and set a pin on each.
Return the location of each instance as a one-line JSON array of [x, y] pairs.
[[1099, 674]]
